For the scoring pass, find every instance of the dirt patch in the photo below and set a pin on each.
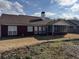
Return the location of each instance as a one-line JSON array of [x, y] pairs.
[[15, 43], [72, 36], [21, 42]]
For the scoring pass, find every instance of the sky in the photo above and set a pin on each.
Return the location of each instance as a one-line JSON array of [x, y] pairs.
[[52, 8]]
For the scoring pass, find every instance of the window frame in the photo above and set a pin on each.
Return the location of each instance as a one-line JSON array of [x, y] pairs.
[[29, 28], [11, 30]]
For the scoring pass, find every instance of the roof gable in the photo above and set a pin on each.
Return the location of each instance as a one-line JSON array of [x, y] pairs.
[[61, 22]]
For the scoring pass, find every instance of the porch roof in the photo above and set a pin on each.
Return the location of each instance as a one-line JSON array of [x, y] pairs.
[[40, 23], [62, 22], [49, 22], [74, 22]]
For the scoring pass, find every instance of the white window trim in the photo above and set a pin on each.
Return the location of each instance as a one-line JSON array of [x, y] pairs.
[[30, 29], [36, 30], [12, 30]]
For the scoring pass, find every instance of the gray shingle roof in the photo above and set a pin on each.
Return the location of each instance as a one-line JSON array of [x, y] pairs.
[[62, 22], [40, 23], [49, 22], [75, 22], [6, 19], [16, 19]]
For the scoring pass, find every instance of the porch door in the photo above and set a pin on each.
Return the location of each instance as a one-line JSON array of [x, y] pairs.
[[40, 30], [35, 30]]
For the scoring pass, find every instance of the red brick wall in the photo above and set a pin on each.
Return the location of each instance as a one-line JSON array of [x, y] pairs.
[[21, 30], [4, 30]]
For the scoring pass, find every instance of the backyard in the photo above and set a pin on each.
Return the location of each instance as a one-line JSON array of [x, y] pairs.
[[26, 41], [38, 47]]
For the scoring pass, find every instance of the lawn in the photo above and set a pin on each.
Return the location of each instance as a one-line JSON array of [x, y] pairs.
[[71, 36]]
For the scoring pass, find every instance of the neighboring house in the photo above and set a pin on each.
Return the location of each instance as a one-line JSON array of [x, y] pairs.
[[23, 25]]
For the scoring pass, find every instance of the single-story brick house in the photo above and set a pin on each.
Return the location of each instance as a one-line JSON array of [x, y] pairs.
[[23, 25]]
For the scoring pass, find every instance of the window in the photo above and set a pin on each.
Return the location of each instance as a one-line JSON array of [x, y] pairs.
[[12, 30], [9, 32], [30, 29], [43, 28], [40, 29], [14, 33], [36, 30]]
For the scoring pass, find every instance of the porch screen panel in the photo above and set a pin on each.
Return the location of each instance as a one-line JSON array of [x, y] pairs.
[[40, 30], [43, 28]]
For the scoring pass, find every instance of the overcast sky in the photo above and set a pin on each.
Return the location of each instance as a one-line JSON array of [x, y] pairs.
[[53, 8]]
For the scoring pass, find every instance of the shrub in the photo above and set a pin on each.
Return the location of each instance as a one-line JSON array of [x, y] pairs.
[[17, 57], [28, 57]]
